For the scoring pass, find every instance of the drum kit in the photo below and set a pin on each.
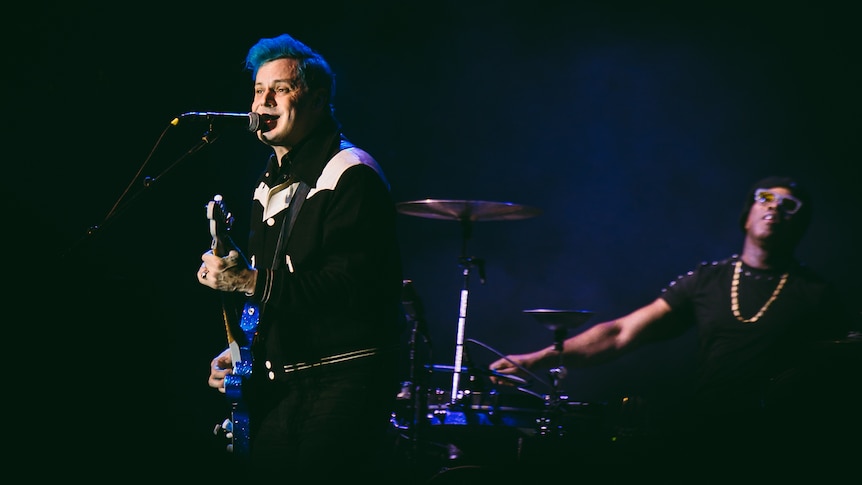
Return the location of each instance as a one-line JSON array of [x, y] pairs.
[[445, 423], [456, 431]]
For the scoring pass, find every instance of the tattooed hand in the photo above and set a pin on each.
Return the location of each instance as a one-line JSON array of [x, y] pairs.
[[230, 273]]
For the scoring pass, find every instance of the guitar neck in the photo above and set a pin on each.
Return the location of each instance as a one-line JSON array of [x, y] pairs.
[[220, 221]]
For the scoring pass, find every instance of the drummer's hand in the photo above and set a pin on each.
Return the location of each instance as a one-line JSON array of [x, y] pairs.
[[512, 365]]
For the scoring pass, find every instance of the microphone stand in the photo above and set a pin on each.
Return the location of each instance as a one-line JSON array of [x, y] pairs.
[[124, 202]]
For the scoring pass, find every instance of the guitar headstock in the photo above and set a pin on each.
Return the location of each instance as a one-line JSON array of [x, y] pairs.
[[221, 221]]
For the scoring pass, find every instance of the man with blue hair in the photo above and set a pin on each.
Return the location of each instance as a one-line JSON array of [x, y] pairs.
[[323, 278]]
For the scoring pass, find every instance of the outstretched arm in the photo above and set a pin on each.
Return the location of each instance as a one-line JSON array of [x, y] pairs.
[[600, 343]]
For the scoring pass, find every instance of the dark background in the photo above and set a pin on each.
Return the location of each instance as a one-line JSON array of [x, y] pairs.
[[636, 128]]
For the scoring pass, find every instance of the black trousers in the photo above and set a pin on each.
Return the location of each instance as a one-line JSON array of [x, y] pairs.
[[329, 425]]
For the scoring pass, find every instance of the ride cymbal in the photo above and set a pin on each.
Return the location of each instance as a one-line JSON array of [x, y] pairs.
[[466, 210], [556, 319]]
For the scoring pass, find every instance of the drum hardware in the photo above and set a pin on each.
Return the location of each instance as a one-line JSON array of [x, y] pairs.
[[466, 212], [559, 321], [470, 403], [433, 411], [413, 390]]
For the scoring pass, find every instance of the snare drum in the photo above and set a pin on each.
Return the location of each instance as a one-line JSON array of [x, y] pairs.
[[519, 412], [479, 427]]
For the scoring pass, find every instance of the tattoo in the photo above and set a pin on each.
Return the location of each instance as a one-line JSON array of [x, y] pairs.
[[235, 275], [230, 260], [235, 279]]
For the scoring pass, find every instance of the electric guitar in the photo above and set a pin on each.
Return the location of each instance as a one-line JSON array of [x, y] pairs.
[[240, 332]]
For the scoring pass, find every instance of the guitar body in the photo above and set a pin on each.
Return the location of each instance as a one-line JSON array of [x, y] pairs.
[[242, 362], [240, 335]]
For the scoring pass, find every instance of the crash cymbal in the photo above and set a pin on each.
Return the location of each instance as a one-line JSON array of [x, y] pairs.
[[466, 210], [559, 319]]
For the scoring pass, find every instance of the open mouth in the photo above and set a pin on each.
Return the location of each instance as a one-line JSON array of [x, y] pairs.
[[268, 122]]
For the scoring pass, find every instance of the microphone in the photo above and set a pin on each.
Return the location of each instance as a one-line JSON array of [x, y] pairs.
[[251, 121]]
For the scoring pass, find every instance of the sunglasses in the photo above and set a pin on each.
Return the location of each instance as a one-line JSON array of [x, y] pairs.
[[785, 203]]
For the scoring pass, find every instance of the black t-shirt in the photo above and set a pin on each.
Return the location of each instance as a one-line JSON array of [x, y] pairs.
[[753, 365]]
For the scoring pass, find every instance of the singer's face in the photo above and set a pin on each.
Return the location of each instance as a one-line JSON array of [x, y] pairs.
[[278, 93]]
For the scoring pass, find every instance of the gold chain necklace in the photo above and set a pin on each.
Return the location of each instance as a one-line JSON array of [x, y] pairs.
[[734, 295]]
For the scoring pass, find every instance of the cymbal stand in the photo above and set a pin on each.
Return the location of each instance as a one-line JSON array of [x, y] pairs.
[[559, 372], [554, 399], [466, 263], [415, 387]]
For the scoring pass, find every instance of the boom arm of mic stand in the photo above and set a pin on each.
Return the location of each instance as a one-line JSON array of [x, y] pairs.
[[125, 201]]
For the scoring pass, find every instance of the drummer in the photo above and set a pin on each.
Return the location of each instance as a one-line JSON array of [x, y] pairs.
[[759, 316]]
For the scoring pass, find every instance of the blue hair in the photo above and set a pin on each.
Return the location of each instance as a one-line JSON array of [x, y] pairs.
[[314, 71]]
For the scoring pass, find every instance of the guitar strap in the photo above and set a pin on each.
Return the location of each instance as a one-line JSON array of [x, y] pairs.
[[277, 261], [295, 203], [287, 226], [289, 219]]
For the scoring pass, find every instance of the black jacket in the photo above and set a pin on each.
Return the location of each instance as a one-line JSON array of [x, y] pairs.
[[340, 291]]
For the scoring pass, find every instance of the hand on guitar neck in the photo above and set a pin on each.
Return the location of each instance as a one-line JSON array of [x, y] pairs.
[[224, 267], [229, 273]]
